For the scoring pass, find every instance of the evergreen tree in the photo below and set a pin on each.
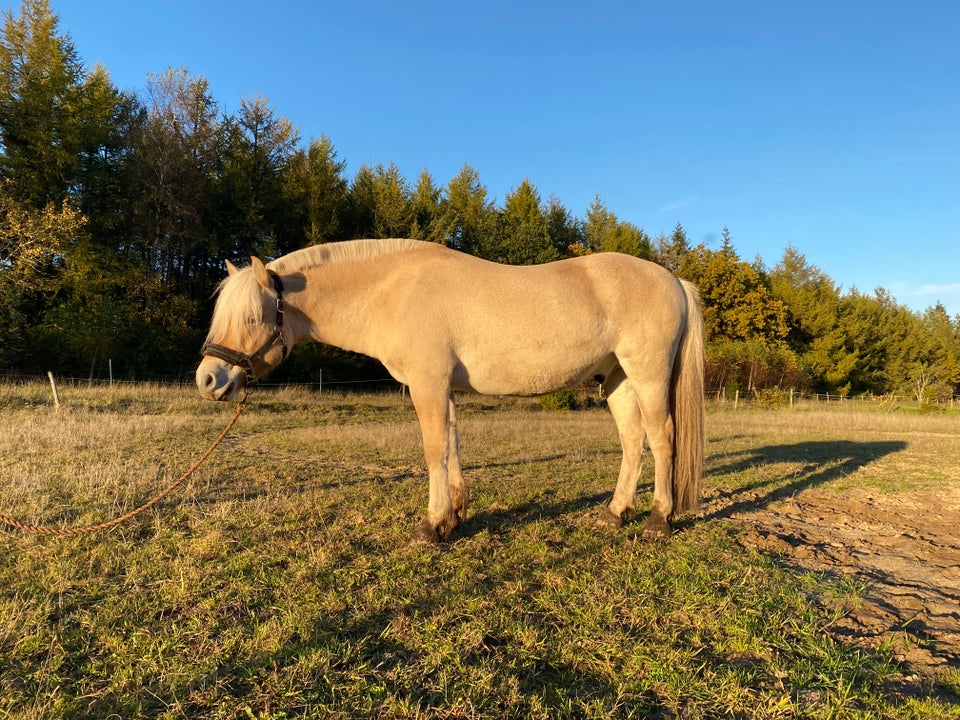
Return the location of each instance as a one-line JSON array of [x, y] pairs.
[[566, 232], [42, 84], [425, 207], [521, 236], [737, 302], [671, 252], [317, 193], [937, 372], [258, 153], [628, 239], [600, 224], [813, 316], [466, 216], [380, 202], [604, 232]]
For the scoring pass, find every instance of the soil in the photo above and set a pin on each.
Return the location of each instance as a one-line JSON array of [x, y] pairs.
[[895, 558]]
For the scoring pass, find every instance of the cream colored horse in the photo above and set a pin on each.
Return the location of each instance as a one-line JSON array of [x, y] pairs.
[[443, 321]]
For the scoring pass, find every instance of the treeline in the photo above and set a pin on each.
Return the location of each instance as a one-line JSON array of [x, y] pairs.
[[118, 211]]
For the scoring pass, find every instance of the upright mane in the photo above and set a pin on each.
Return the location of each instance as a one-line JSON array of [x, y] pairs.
[[339, 251]]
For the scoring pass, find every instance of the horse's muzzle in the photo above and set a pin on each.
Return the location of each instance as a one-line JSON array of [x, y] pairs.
[[217, 380]]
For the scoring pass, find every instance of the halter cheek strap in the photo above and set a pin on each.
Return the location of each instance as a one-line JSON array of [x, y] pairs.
[[243, 360]]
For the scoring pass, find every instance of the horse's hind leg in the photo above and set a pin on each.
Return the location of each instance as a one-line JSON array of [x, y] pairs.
[[658, 421], [626, 413], [459, 495]]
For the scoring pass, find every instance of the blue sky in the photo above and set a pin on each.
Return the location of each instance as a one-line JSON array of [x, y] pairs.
[[830, 126]]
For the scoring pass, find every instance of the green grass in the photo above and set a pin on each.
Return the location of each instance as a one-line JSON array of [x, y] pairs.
[[280, 582]]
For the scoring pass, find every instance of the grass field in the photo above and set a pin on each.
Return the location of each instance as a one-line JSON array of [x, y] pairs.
[[280, 582]]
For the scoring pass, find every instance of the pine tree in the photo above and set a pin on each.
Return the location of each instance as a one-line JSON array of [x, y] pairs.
[[672, 251], [56, 118], [425, 207], [316, 193], [566, 232], [521, 236], [466, 216], [599, 225], [380, 202], [604, 232]]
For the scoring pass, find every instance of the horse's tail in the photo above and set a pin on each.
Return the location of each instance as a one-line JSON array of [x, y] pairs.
[[687, 399]]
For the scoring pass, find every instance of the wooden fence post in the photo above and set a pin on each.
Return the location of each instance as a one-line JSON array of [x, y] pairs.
[[53, 386]]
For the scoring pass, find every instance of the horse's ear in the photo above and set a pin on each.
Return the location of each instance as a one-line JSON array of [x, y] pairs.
[[260, 273], [231, 268]]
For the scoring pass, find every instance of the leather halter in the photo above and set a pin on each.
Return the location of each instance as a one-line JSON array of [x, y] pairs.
[[243, 360]]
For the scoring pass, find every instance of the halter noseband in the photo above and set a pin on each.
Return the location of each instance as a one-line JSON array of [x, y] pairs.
[[244, 361]]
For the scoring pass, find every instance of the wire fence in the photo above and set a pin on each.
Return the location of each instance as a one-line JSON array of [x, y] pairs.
[[74, 380], [779, 396], [719, 396]]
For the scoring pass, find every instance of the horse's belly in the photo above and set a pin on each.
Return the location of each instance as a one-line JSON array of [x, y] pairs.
[[514, 376]]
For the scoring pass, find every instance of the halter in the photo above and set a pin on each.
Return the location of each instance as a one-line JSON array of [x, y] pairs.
[[244, 361]]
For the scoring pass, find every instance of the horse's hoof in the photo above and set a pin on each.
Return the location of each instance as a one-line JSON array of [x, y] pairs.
[[426, 534], [608, 521], [657, 528]]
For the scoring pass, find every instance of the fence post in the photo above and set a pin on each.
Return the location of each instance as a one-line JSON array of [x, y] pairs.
[[53, 386]]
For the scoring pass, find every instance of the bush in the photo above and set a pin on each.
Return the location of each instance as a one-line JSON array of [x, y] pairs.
[[560, 400]]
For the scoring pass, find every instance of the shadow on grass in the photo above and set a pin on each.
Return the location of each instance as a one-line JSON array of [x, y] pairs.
[[504, 518], [821, 462]]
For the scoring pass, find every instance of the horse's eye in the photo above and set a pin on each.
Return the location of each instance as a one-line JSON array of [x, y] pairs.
[[251, 320]]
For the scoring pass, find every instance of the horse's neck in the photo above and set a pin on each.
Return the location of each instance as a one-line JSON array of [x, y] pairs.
[[337, 302]]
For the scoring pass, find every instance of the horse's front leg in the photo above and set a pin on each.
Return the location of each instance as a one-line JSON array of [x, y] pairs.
[[433, 408]]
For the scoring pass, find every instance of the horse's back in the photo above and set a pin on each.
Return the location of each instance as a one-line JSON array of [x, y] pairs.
[[527, 329]]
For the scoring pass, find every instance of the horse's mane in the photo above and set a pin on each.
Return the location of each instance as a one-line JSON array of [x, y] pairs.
[[339, 251], [239, 299], [238, 303]]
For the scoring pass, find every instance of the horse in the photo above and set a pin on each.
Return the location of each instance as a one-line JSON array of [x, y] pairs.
[[442, 321]]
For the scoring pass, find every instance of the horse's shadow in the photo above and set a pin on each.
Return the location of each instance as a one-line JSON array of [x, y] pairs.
[[821, 462], [504, 518]]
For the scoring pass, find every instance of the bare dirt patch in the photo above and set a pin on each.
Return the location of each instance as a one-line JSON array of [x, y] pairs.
[[898, 556]]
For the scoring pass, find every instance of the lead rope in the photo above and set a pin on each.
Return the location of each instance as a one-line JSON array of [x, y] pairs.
[[47, 530]]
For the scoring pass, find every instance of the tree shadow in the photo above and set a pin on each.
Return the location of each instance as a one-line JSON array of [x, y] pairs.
[[821, 462]]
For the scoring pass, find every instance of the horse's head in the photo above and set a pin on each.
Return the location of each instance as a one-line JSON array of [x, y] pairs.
[[246, 338]]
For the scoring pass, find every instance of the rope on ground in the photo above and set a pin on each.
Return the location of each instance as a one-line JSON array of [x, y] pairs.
[[62, 532]]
